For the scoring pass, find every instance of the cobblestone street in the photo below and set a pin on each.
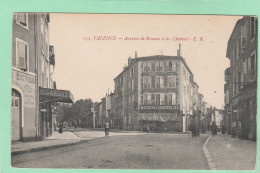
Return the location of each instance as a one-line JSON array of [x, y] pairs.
[[149, 151]]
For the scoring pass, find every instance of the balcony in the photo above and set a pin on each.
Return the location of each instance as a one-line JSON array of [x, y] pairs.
[[227, 74]]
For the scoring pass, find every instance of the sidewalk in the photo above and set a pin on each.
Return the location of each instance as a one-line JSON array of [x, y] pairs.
[[68, 137], [56, 140], [232, 153]]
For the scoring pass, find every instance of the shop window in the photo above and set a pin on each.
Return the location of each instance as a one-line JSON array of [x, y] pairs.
[[22, 19], [22, 54]]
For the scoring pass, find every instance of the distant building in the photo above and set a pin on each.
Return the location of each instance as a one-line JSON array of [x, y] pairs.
[[33, 89], [241, 79], [154, 91]]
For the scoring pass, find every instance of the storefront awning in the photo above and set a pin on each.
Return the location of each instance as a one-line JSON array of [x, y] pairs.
[[54, 95]]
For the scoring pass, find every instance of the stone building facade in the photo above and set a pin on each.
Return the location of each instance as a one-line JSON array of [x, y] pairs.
[[155, 91], [241, 79], [33, 62]]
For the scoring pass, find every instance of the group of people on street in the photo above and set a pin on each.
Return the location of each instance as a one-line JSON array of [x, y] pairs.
[[195, 130]]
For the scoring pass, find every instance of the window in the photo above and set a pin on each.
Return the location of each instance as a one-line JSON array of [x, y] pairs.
[[252, 27], [15, 99], [132, 71], [165, 66], [147, 82], [22, 54], [157, 99], [172, 66], [158, 66], [171, 81], [129, 85], [22, 19], [243, 37], [249, 68], [162, 99], [237, 52], [132, 84], [157, 81], [147, 99], [146, 67], [169, 99], [253, 65], [239, 80], [161, 82], [153, 66], [42, 80], [43, 44]]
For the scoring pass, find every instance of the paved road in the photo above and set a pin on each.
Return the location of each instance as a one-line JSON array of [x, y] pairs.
[[149, 151]]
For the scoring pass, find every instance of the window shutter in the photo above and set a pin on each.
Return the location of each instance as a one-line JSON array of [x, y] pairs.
[[22, 53], [21, 17], [165, 81], [153, 81]]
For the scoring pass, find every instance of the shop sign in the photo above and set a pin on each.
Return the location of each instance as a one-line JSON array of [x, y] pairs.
[[159, 108], [54, 93], [26, 83]]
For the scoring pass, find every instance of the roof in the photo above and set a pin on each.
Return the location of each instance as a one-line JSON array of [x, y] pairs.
[[233, 35], [156, 57]]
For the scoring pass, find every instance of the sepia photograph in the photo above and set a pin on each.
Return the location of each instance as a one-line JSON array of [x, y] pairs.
[[134, 91]]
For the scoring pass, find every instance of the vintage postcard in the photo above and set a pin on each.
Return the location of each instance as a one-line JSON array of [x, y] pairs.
[[134, 91]]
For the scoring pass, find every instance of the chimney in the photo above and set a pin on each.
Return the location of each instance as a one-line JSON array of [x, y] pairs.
[[136, 54], [129, 61], [179, 50]]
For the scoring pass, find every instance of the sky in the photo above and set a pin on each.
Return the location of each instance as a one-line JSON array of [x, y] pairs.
[[88, 58]]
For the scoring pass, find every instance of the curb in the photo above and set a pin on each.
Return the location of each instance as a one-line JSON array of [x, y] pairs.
[[23, 151], [207, 155]]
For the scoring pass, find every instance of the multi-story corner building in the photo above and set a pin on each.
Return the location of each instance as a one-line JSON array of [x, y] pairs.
[[33, 92], [241, 79], [154, 91]]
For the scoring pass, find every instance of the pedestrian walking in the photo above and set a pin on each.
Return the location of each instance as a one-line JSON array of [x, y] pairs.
[[75, 124], [193, 130], [197, 130], [223, 129], [61, 128], [106, 128], [148, 129], [213, 128]]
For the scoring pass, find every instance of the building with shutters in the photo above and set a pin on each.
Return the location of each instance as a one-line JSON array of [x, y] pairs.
[[155, 91], [241, 79], [34, 93]]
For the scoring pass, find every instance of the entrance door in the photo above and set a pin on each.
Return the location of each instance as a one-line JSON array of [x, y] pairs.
[[16, 115]]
